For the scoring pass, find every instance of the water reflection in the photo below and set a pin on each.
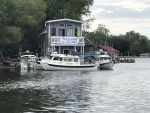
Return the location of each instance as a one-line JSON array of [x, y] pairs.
[[122, 90]]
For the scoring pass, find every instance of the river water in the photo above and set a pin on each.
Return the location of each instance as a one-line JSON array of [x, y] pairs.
[[125, 89]]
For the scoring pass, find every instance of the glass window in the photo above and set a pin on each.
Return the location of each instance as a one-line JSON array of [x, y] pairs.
[[65, 32], [78, 32], [69, 25], [56, 58], [75, 31], [68, 32], [50, 57], [65, 60], [53, 31], [75, 59], [70, 59], [62, 25]]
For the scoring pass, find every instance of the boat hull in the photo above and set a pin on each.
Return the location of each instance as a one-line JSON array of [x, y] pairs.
[[36, 65], [26, 66], [69, 67], [106, 66]]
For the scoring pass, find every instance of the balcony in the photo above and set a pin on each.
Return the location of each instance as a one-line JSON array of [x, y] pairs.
[[66, 41]]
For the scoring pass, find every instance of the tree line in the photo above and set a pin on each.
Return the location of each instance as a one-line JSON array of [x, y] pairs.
[[132, 43], [21, 22]]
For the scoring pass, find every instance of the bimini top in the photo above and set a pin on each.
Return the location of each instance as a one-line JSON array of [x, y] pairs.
[[58, 20]]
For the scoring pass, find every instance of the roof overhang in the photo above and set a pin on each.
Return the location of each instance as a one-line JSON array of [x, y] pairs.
[[59, 20]]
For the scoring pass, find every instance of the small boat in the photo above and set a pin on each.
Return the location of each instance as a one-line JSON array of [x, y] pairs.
[[24, 61], [127, 60], [144, 55], [66, 62], [105, 62]]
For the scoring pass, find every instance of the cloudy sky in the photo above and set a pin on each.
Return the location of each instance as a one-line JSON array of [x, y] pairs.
[[121, 16]]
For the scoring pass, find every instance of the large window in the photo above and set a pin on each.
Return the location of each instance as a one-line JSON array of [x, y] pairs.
[[65, 32], [68, 32]]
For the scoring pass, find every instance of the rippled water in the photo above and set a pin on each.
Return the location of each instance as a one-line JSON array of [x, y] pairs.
[[125, 89]]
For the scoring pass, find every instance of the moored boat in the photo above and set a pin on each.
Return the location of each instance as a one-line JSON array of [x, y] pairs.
[[105, 62], [66, 63], [24, 61]]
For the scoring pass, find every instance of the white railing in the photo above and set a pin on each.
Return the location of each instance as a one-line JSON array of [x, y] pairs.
[[66, 40]]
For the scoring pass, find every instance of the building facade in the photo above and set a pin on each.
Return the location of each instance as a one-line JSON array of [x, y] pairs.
[[62, 36]]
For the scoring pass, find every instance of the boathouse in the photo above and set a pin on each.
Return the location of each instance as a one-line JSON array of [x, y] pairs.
[[63, 36]]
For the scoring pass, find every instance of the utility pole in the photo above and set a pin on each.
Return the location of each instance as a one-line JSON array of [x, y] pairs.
[[106, 33]]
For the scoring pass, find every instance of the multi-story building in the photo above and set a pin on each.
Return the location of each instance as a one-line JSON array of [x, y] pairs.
[[63, 36]]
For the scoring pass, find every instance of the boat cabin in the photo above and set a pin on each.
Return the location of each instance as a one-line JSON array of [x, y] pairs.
[[65, 59], [27, 56], [27, 53], [63, 36]]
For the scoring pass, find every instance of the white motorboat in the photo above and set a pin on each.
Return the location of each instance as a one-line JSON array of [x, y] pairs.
[[66, 62], [24, 61], [105, 62]]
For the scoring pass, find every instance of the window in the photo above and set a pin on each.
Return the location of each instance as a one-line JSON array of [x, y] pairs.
[[65, 60], [53, 31], [68, 32], [56, 58], [66, 51], [70, 59], [77, 32], [65, 32], [101, 58], [75, 59], [62, 25], [69, 25]]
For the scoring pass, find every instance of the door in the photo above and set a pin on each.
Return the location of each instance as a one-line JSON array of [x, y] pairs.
[[66, 51], [68, 32]]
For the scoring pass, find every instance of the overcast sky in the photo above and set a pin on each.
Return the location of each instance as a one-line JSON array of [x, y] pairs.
[[121, 16]]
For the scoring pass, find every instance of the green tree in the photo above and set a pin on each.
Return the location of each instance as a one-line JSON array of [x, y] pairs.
[[73, 9], [135, 48], [99, 36], [132, 36], [19, 22], [144, 44], [120, 43]]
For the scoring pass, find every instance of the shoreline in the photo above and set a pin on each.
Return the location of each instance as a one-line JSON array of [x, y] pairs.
[[7, 67]]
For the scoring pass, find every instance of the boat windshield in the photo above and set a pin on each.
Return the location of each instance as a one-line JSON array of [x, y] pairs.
[[56, 58], [50, 57], [27, 53]]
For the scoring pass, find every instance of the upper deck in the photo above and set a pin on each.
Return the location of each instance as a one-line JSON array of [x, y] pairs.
[[65, 32]]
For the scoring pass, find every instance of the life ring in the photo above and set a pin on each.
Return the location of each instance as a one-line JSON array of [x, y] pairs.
[[49, 49]]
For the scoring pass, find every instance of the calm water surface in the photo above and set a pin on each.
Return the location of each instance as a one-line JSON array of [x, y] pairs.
[[125, 89]]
